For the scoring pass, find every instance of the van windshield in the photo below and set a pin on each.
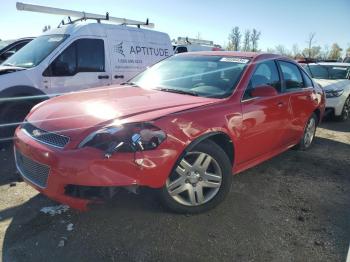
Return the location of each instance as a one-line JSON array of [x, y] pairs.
[[207, 76], [36, 51]]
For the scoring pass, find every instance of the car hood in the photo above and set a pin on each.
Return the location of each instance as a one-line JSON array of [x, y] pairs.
[[333, 84], [9, 69], [80, 112]]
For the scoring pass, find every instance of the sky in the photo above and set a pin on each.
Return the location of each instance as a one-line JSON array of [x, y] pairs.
[[284, 22]]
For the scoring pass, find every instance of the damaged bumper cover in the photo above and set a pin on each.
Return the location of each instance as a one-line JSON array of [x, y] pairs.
[[77, 177]]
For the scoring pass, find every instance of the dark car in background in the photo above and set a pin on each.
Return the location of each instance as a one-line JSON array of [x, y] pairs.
[[9, 47]]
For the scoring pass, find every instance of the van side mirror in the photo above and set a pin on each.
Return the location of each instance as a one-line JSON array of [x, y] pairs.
[[264, 91]]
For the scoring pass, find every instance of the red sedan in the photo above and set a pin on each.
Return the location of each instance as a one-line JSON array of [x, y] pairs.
[[183, 127]]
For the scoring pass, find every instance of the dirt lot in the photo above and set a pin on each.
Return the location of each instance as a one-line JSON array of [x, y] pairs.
[[295, 207]]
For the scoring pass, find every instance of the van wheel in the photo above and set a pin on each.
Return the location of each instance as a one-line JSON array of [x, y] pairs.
[[200, 180], [345, 114], [11, 115], [309, 133]]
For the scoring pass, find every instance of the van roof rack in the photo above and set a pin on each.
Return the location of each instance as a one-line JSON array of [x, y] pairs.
[[81, 16], [186, 40]]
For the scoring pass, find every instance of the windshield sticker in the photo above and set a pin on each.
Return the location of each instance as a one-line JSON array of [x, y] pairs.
[[55, 39], [234, 60], [339, 68]]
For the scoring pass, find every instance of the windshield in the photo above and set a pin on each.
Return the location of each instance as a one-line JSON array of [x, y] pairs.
[[3, 44], [207, 76], [36, 51], [328, 71]]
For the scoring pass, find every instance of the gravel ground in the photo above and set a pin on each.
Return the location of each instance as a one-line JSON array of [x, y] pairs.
[[294, 207]]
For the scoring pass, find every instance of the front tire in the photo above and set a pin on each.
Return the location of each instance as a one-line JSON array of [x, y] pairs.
[[309, 133], [11, 115], [200, 180]]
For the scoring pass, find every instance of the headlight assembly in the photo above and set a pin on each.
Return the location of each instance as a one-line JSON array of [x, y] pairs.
[[334, 93], [126, 138]]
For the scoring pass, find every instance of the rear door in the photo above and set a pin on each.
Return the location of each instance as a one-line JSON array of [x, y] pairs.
[[81, 65], [265, 119], [302, 98]]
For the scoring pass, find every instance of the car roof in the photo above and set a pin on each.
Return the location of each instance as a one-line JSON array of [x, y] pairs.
[[250, 55], [331, 64]]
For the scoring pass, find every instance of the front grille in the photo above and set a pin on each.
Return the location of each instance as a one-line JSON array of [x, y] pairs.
[[31, 170], [49, 138]]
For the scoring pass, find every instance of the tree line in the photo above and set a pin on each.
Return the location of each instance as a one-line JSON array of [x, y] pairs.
[[248, 40]]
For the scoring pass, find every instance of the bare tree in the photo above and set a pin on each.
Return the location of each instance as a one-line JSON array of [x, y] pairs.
[[254, 38], [310, 43], [348, 51], [235, 38], [296, 51], [325, 52], [280, 49], [270, 50], [246, 40], [335, 52]]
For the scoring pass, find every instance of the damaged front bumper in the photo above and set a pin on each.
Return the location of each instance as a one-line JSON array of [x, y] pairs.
[[77, 177]]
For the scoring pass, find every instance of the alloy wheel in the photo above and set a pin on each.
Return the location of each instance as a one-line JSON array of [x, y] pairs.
[[346, 109], [309, 132], [196, 180]]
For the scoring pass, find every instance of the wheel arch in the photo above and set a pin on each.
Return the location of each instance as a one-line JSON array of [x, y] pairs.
[[317, 112], [22, 92], [219, 138]]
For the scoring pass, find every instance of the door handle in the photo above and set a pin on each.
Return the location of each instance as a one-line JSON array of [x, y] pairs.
[[103, 76], [118, 76]]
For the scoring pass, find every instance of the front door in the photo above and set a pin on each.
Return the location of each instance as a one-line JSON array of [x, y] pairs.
[[81, 65]]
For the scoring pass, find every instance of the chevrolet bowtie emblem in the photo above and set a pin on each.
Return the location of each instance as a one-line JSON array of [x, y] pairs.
[[36, 133]]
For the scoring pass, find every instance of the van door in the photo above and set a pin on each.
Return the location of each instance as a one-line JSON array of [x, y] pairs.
[[127, 53], [81, 65]]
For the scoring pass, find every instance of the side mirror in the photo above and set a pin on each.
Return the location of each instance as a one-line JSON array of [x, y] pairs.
[[264, 91]]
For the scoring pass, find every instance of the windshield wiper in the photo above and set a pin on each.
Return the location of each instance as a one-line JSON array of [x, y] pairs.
[[178, 91]]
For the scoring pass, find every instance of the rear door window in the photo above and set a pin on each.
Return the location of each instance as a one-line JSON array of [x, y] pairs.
[[291, 76], [307, 80]]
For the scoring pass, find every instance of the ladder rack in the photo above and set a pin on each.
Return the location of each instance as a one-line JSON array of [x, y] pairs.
[[81, 16]]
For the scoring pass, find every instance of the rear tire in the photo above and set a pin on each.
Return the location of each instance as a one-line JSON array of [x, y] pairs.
[[201, 180], [345, 114], [309, 133], [11, 115]]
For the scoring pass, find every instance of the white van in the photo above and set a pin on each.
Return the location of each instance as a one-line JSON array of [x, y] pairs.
[[185, 44], [73, 57]]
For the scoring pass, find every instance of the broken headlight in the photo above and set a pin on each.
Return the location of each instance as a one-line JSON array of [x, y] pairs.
[[125, 138]]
